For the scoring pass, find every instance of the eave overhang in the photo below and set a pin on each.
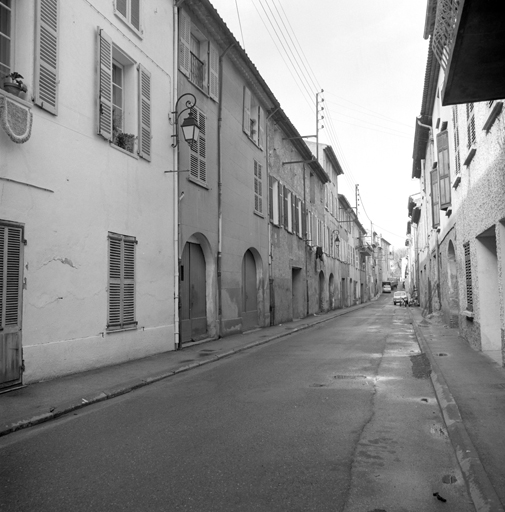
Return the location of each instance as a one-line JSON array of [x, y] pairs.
[[332, 157], [475, 53]]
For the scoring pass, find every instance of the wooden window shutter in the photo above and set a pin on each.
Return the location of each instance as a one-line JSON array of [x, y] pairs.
[[286, 208], [261, 128], [280, 204], [271, 198], [198, 149], [468, 276], [144, 113], [46, 56], [213, 72], [247, 111], [258, 192], [184, 43], [444, 170], [121, 299], [435, 204], [11, 246], [135, 13], [105, 85], [293, 213]]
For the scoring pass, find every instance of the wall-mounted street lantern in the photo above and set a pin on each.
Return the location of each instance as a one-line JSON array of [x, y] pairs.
[[190, 128]]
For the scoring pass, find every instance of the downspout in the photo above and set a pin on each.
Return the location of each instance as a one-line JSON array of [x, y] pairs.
[[175, 185], [219, 196], [305, 236], [270, 278]]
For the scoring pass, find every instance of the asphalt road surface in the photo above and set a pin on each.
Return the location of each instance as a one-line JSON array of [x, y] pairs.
[[339, 417]]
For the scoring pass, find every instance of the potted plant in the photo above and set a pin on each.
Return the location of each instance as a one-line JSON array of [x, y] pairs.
[[13, 83], [125, 141]]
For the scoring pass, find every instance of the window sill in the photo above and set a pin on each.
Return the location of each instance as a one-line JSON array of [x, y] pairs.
[[133, 155], [495, 112], [198, 182], [456, 182], [468, 314], [112, 330], [259, 214], [15, 98], [470, 156]]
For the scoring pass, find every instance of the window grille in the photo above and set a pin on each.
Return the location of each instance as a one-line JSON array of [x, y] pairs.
[[468, 275], [457, 158], [470, 125], [258, 188]]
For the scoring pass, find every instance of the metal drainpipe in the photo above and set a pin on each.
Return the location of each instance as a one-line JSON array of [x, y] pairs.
[[175, 184], [219, 194], [305, 236], [270, 278]]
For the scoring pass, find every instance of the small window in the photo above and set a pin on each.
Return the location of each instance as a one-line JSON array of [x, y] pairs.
[[470, 125], [274, 201], [129, 11], [121, 282], [258, 188], [435, 202]]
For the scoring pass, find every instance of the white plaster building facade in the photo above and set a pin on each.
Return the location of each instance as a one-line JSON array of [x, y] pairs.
[[87, 211]]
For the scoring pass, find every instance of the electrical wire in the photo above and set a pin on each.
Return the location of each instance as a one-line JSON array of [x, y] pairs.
[[240, 24]]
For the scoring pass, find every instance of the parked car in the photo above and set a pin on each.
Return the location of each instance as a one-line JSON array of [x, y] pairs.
[[386, 287], [399, 297]]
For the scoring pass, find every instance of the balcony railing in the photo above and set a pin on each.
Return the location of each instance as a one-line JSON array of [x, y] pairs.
[[444, 33], [197, 68]]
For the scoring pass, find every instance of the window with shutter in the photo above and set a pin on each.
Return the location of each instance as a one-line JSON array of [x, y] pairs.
[[470, 125], [286, 208], [253, 118], [105, 85], [129, 12], [444, 178], [121, 282], [468, 276], [198, 150], [46, 56], [213, 72], [258, 188], [281, 204]]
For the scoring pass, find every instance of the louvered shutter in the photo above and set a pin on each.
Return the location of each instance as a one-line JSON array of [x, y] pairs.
[[468, 277], [184, 43], [213, 72], [293, 213], [135, 13], [144, 113], [271, 198], [11, 239], [258, 187], [280, 204], [261, 129], [444, 170], [105, 85], [286, 208], [435, 203], [198, 149], [247, 111], [46, 56], [121, 306], [128, 281]]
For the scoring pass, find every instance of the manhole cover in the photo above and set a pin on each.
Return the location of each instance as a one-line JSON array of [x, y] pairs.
[[350, 377]]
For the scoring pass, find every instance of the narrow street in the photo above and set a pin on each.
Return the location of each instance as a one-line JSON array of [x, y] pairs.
[[339, 417]]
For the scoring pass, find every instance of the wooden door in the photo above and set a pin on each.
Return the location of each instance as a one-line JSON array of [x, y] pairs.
[[193, 314], [11, 275], [249, 293]]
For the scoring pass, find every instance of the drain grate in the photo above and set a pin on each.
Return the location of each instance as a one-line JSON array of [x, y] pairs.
[[442, 354], [350, 377]]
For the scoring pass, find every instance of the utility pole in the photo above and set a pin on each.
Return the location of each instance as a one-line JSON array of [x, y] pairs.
[[357, 196], [318, 118]]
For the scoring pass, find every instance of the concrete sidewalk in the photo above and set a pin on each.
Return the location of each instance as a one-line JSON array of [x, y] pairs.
[[470, 388], [44, 401]]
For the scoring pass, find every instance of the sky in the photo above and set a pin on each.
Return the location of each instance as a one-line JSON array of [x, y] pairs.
[[369, 57]]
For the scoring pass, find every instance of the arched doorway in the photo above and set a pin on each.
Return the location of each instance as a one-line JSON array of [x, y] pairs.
[[453, 286], [249, 292], [331, 289], [321, 291], [193, 314]]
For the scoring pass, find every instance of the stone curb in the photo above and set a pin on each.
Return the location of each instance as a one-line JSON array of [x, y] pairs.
[[127, 387], [479, 486]]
